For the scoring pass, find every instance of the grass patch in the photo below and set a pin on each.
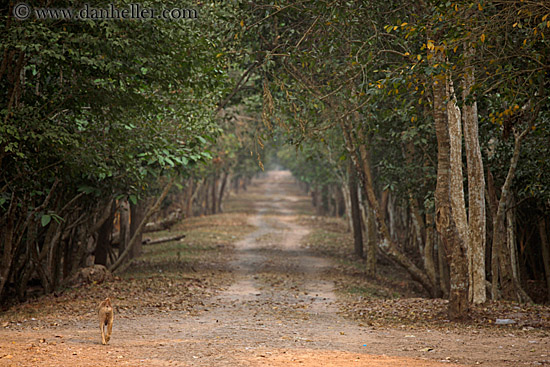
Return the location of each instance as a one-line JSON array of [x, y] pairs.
[[174, 275], [331, 238]]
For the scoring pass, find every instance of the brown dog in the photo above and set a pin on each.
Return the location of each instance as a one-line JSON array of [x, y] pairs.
[[105, 320]]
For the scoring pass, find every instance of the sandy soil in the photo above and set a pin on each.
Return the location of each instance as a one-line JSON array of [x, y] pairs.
[[279, 311]]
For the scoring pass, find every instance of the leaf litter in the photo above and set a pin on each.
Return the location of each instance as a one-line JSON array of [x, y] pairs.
[[183, 284]]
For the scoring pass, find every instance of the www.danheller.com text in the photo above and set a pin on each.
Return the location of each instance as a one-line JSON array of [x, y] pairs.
[[136, 11]]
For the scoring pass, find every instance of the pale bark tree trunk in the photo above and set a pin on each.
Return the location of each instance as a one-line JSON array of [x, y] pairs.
[[347, 202], [197, 196], [476, 190], [509, 288], [458, 203], [390, 211], [511, 239], [492, 201], [355, 213], [338, 199], [455, 249]]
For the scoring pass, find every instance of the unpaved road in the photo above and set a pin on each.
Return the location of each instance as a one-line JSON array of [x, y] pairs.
[[280, 311]]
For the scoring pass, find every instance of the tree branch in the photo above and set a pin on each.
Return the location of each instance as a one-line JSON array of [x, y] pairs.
[[145, 219], [237, 87]]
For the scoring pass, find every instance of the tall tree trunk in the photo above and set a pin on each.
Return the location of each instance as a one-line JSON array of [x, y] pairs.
[[511, 239], [444, 276], [206, 199], [418, 225], [325, 200], [386, 244], [236, 183], [355, 213], [103, 243], [492, 201], [372, 239], [124, 217], [458, 203], [476, 188], [214, 193], [189, 196], [347, 204], [429, 262], [455, 249], [222, 191], [56, 251], [545, 247], [136, 216], [197, 195], [510, 290]]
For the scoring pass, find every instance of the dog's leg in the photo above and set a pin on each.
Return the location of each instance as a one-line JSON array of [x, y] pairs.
[[101, 327], [109, 329]]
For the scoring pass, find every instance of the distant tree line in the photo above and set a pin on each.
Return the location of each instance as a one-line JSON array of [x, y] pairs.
[[427, 124]]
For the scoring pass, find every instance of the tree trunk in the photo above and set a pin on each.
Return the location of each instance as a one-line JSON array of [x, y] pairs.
[[347, 204], [545, 247], [444, 276], [418, 225], [189, 197], [236, 183], [214, 194], [454, 247], [429, 262], [476, 190], [124, 218], [23, 275], [9, 247], [137, 234], [56, 252], [510, 290], [492, 201], [458, 204], [222, 191], [386, 244], [355, 213], [511, 239], [206, 197], [104, 238], [372, 240], [197, 194], [136, 216], [325, 200]]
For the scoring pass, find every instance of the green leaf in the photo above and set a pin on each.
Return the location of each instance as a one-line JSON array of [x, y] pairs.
[[45, 220], [133, 199]]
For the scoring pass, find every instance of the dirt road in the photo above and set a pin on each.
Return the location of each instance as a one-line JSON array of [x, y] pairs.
[[280, 310]]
